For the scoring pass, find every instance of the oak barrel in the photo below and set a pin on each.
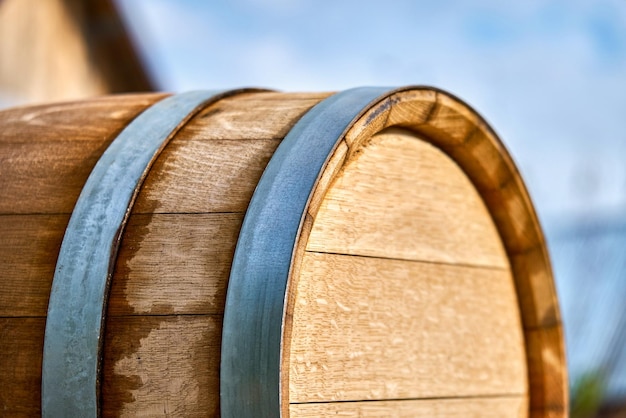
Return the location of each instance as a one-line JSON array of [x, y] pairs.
[[370, 253]]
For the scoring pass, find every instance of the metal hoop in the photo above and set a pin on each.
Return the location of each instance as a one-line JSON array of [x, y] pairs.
[[74, 325]]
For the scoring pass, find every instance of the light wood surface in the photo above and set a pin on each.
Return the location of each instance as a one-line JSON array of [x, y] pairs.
[[174, 263], [502, 407], [404, 290], [161, 366], [267, 115], [369, 328], [402, 198], [202, 176]]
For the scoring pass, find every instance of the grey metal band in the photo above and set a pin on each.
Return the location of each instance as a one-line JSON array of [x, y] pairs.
[[253, 317], [71, 357]]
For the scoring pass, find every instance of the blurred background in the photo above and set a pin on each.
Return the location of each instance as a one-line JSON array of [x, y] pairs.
[[550, 77]]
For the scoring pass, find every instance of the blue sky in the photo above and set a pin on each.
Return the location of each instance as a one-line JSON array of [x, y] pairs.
[[550, 76]]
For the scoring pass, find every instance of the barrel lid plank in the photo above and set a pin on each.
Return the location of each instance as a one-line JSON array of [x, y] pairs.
[[449, 124], [405, 290], [502, 407], [418, 207]]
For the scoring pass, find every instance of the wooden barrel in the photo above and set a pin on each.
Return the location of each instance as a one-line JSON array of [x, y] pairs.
[[367, 253]]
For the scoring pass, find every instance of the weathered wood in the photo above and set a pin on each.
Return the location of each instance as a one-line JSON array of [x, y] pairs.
[[215, 161], [187, 219], [254, 116], [501, 407], [174, 263], [48, 153], [161, 366]]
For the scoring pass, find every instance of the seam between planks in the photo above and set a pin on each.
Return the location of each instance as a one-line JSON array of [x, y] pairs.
[[442, 263], [432, 398]]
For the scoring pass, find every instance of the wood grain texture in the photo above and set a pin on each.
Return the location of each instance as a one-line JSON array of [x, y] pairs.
[[28, 252], [266, 115], [45, 177], [458, 130], [370, 324], [202, 176], [92, 119], [47, 153], [216, 160], [174, 263], [21, 345], [161, 350], [502, 407], [403, 198], [483, 157], [369, 328], [161, 366]]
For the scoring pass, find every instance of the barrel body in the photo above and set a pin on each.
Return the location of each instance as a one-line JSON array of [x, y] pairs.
[[418, 280]]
